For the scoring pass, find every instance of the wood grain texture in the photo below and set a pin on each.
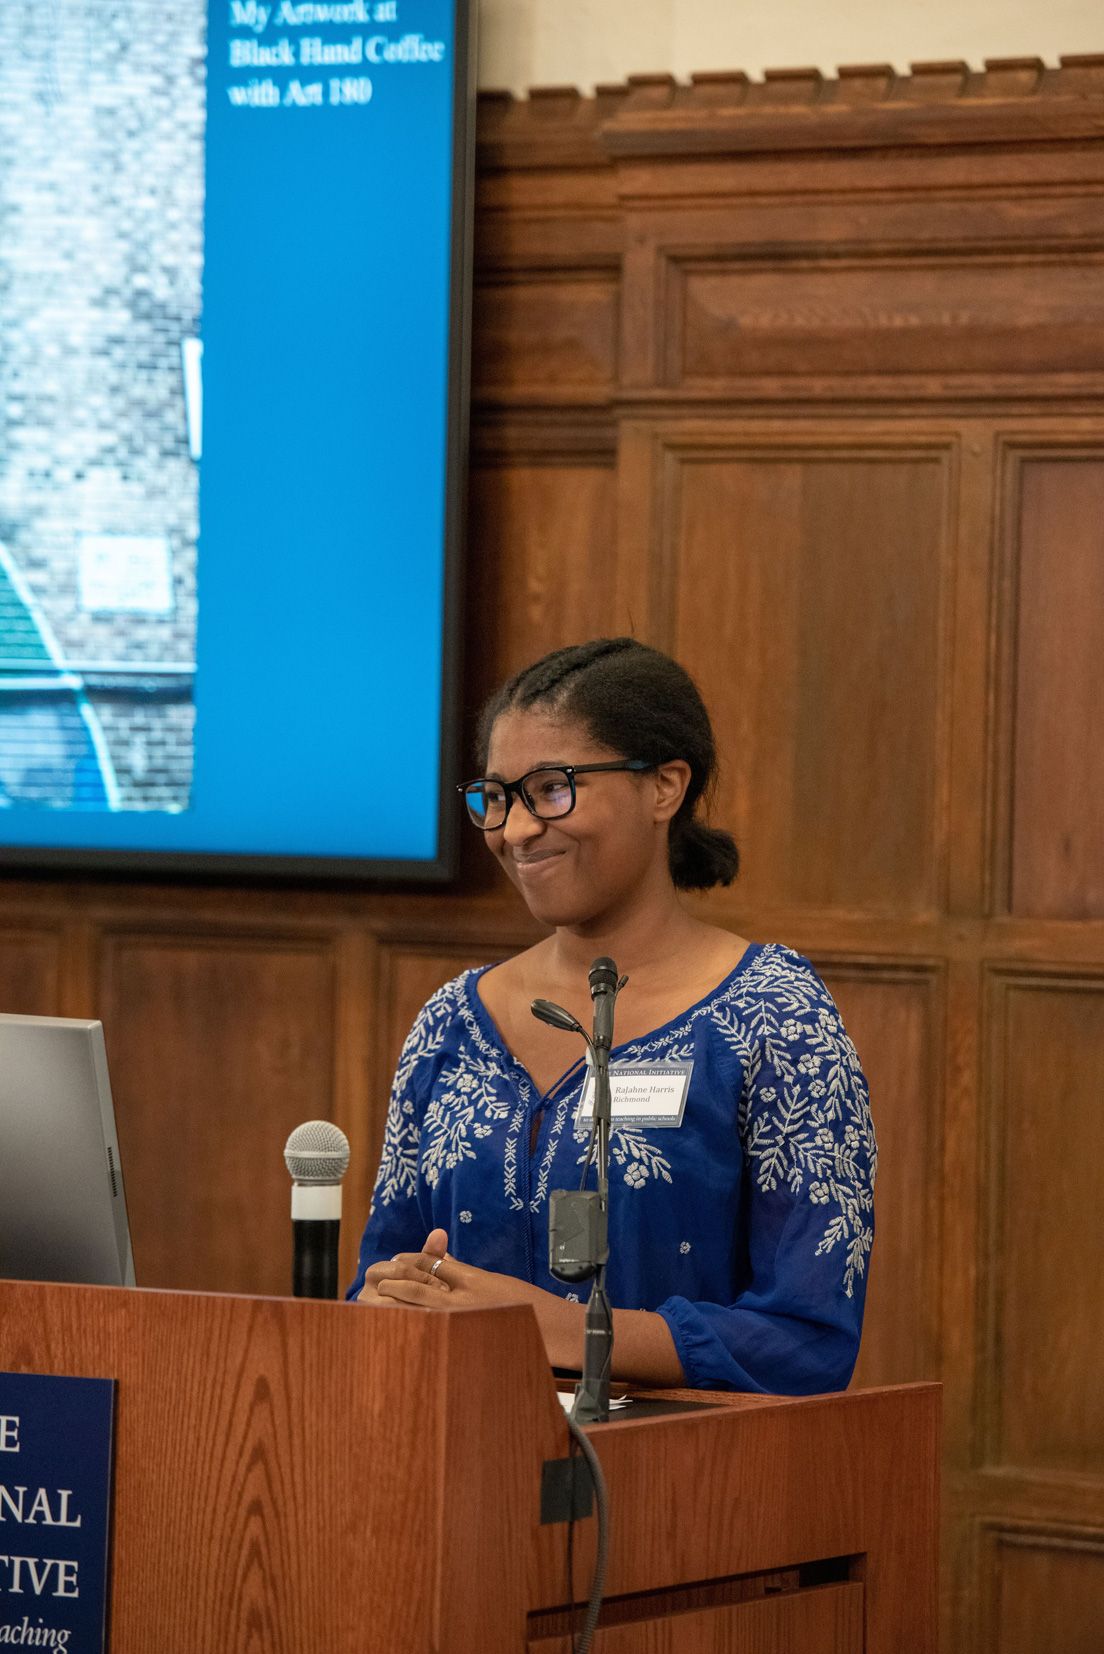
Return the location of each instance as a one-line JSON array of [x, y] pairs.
[[893, 1018], [502, 1421], [281, 1478], [806, 591], [1046, 1339], [304, 1478], [29, 963], [250, 1029], [828, 1621], [545, 1626], [1013, 101], [746, 1488], [545, 539], [1058, 811], [867, 107], [548, 334], [868, 520], [1045, 1591], [923, 315]]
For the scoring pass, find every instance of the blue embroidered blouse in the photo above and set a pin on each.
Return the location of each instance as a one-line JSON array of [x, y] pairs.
[[747, 1227]]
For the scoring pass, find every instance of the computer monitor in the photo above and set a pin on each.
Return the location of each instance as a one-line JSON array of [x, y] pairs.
[[62, 1208]]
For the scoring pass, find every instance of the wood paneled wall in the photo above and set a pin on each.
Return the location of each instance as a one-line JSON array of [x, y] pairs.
[[802, 380]]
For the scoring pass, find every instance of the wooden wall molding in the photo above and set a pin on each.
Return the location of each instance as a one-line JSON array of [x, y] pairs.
[[538, 436], [801, 378], [1044, 1587], [1049, 857], [866, 106], [900, 271], [698, 497], [1039, 1406], [613, 271], [567, 322], [744, 321]]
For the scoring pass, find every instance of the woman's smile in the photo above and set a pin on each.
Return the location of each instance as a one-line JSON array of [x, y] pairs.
[[531, 864]]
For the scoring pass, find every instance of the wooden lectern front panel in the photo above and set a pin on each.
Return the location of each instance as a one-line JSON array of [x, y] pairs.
[[296, 1477], [765, 1483]]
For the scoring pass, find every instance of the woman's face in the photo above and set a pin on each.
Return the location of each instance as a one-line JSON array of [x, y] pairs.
[[582, 866]]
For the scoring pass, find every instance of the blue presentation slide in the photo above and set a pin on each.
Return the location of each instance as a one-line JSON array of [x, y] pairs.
[[223, 499]]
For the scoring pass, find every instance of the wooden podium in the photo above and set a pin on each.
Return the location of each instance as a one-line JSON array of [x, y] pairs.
[[316, 1478]]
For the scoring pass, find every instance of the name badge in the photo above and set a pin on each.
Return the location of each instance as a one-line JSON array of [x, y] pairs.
[[641, 1094]]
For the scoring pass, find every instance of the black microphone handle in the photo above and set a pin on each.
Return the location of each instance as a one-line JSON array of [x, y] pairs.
[[603, 991], [314, 1274]]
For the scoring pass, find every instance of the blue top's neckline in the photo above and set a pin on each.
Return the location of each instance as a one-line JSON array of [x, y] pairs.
[[489, 1028]]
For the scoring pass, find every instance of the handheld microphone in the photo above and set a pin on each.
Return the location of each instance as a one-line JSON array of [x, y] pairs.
[[317, 1156]]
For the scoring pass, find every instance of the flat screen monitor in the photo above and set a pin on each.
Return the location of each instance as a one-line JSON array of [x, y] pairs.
[[234, 252], [62, 1207]]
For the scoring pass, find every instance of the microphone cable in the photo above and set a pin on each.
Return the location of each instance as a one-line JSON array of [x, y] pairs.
[[580, 1438], [589, 1156]]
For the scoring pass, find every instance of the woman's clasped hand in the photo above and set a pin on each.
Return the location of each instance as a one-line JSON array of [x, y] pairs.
[[430, 1279]]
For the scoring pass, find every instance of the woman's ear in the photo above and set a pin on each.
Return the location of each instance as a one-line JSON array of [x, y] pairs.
[[671, 781]]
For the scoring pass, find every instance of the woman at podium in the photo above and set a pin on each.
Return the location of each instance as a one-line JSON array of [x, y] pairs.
[[740, 1220]]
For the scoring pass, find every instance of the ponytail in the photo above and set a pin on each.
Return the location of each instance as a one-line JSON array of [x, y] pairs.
[[700, 856]]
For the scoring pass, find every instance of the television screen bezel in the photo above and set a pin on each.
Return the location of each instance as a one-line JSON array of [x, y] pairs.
[[244, 866]]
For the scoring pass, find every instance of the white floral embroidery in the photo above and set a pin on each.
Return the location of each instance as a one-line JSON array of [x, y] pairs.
[[684, 1247], [467, 1101], [543, 1174], [510, 1160], [772, 1006], [465, 1217], [803, 1117], [631, 1149], [458, 1099], [398, 1167], [792, 1131]]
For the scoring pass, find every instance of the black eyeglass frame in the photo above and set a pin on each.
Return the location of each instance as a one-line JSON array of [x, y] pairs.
[[516, 789]]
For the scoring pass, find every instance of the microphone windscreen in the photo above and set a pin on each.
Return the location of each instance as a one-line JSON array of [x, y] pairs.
[[317, 1152], [603, 977]]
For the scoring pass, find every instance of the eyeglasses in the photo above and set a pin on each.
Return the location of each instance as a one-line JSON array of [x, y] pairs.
[[547, 794]]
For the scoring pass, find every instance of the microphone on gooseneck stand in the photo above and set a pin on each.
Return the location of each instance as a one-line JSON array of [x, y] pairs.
[[317, 1156], [593, 1393], [603, 991], [578, 1220], [578, 1250]]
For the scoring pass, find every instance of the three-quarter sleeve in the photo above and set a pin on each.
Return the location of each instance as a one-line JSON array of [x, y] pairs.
[[398, 1222], [808, 1216]]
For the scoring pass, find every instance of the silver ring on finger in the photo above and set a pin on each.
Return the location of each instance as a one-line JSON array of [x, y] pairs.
[[436, 1266]]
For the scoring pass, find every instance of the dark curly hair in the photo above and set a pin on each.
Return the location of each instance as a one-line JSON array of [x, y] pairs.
[[639, 702]]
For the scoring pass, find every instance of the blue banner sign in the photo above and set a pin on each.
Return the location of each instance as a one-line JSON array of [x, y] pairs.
[[55, 1510]]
